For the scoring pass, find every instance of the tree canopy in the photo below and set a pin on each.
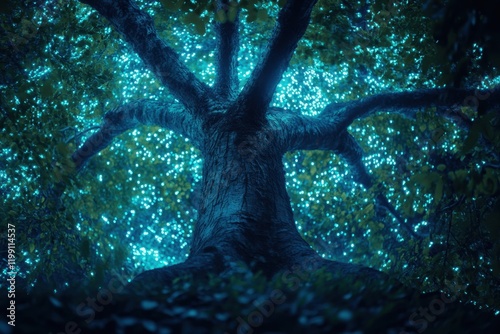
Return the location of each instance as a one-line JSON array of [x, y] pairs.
[[134, 205]]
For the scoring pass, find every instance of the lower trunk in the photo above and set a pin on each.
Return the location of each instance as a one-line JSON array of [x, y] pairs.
[[245, 211], [245, 216]]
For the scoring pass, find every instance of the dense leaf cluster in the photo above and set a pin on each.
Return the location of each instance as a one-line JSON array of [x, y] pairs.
[[62, 67], [248, 303]]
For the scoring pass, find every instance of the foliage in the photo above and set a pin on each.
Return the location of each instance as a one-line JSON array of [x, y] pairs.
[[246, 302], [463, 29], [133, 207]]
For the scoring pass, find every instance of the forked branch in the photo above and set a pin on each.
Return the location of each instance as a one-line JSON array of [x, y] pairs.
[[291, 24], [302, 132], [226, 81], [328, 131], [131, 115], [352, 153], [447, 101], [139, 31]]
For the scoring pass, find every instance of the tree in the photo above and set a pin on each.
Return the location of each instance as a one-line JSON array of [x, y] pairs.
[[244, 213]]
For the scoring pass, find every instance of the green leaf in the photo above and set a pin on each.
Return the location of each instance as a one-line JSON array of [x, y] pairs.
[[262, 15], [220, 16], [172, 5], [472, 138], [85, 248], [47, 90], [200, 27], [191, 18], [232, 11], [199, 23], [252, 14], [438, 192], [419, 178], [486, 126], [368, 208], [62, 148], [492, 224], [441, 167]]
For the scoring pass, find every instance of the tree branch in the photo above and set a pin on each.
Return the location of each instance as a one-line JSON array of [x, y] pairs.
[[328, 131], [310, 133], [448, 103], [131, 115], [78, 134], [297, 131], [291, 24], [138, 29], [352, 154], [226, 81], [301, 132]]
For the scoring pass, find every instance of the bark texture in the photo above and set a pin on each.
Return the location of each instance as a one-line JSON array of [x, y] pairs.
[[226, 82], [244, 214], [137, 27]]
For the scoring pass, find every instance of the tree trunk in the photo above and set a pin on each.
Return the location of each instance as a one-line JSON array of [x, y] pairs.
[[244, 214], [245, 211]]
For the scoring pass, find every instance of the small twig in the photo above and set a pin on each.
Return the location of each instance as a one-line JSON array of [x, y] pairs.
[[495, 166], [452, 205], [82, 133], [406, 224], [445, 260], [68, 128]]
